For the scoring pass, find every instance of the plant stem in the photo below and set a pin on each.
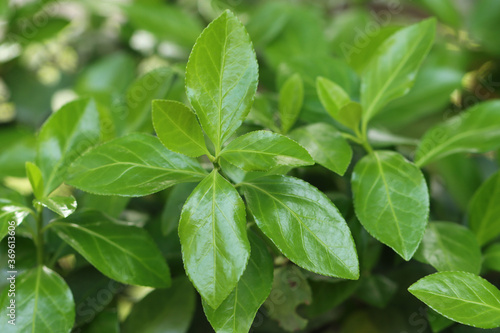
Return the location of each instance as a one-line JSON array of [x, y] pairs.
[[364, 138], [39, 240]]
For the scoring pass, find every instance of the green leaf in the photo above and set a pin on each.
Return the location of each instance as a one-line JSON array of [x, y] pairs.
[[264, 150], [376, 290], [350, 115], [304, 224], [133, 165], [460, 296], [21, 149], [106, 321], [328, 294], [484, 22], [44, 304], [177, 128], [163, 310], [393, 68], [12, 211], [326, 146], [475, 131], [122, 252], [221, 77], [437, 321], [491, 258], [64, 206], [332, 96], [484, 211], [35, 177], [213, 236], [391, 200], [237, 312], [152, 85], [291, 99], [448, 246], [66, 135], [172, 212]]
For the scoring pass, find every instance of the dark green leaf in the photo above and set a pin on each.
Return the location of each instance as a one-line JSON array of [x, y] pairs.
[[462, 297], [304, 224], [215, 246], [106, 321], [221, 77], [491, 258], [291, 99], [65, 136], [64, 206], [328, 294], [122, 252], [437, 321], [391, 200], [376, 290], [264, 150], [133, 165], [177, 128]]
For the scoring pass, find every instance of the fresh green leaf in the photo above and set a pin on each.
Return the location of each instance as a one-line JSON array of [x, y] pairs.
[[304, 224], [44, 304], [12, 211], [65, 136], [460, 296], [332, 96], [350, 115], [291, 99], [475, 131], [326, 146], [64, 206], [391, 200], [264, 150], [123, 252], [178, 129], [491, 258], [484, 210], [215, 246], [35, 177], [237, 312], [393, 68], [172, 212], [221, 77], [449, 246], [133, 165], [163, 310]]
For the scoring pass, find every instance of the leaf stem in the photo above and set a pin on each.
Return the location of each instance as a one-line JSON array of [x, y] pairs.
[[39, 239], [363, 136]]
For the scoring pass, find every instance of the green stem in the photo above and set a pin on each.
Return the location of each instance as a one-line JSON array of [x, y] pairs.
[[364, 138], [39, 240]]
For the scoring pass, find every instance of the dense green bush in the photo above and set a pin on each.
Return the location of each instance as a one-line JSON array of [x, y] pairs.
[[329, 166]]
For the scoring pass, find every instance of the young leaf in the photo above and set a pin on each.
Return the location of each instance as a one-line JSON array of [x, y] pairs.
[[214, 241], [64, 206], [449, 246], [460, 296], [122, 252], [475, 131], [164, 310], [35, 177], [304, 224], [291, 99], [391, 200], [133, 165], [237, 312], [484, 210], [393, 68], [44, 304], [326, 146], [66, 135], [264, 150], [332, 96], [177, 128], [492, 257], [350, 115], [221, 77]]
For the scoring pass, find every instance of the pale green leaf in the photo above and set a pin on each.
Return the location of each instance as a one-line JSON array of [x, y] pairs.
[[290, 103], [35, 177], [391, 200], [332, 96], [64, 206]]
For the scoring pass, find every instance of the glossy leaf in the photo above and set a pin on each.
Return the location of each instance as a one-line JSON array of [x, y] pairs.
[[475, 131], [177, 128], [291, 99], [326, 146], [35, 177], [172, 212], [448, 246], [221, 77], [491, 258], [460, 296], [264, 150], [64, 206], [304, 224], [391, 200], [133, 165], [44, 304], [12, 211], [65, 136], [123, 252], [237, 312], [332, 96], [393, 68], [484, 210], [163, 310], [437, 321], [212, 231]]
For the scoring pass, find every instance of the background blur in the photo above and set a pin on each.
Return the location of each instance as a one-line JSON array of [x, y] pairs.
[[126, 53]]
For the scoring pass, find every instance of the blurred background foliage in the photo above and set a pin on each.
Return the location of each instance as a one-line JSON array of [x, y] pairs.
[[125, 53]]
